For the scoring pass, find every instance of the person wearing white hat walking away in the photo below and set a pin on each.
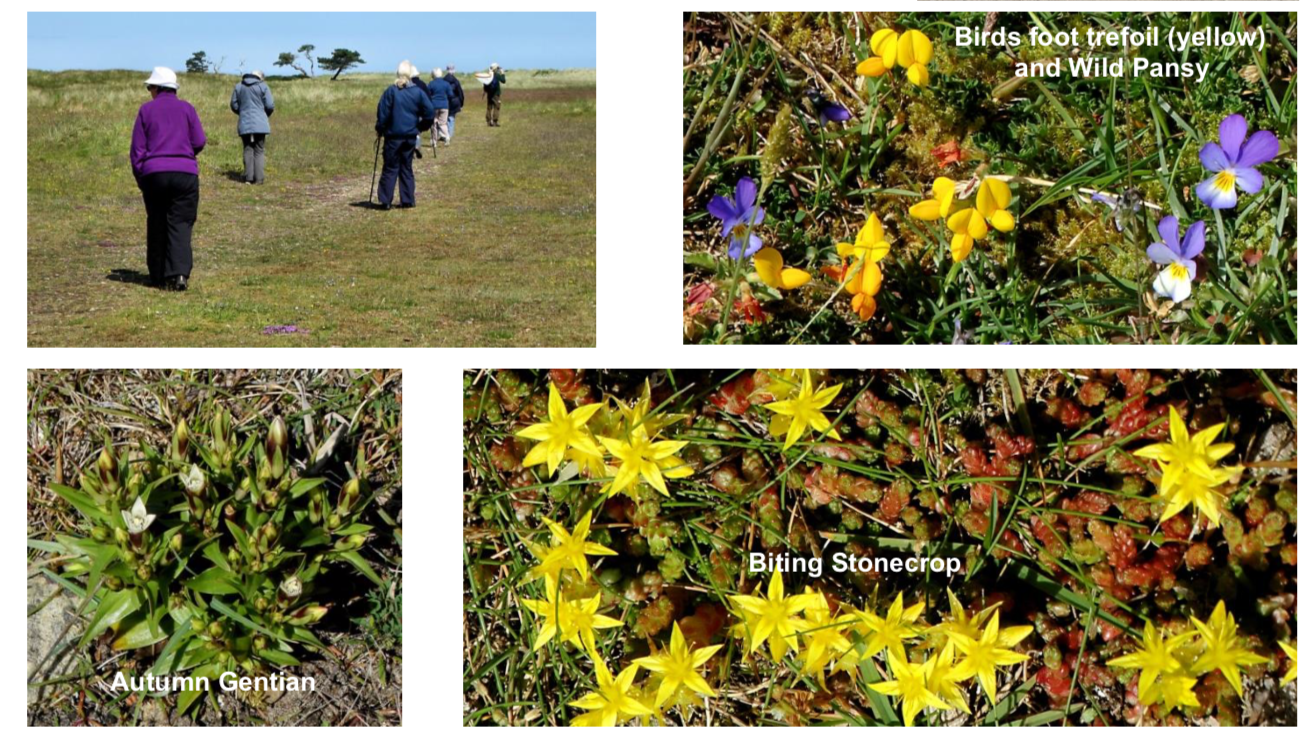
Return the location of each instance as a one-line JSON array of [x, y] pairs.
[[252, 101], [491, 82], [166, 138]]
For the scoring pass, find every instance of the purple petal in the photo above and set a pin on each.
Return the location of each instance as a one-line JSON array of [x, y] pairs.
[[1160, 254], [1168, 228], [1232, 132], [721, 208], [1106, 199], [755, 245], [734, 249], [1212, 196], [745, 194], [754, 217], [1260, 148], [834, 112], [1213, 158], [1193, 240], [1249, 179]]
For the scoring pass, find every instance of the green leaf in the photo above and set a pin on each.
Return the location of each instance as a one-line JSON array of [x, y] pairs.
[[354, 558], [243, 541], [278, 657], [114, 606], [355, 528], [214, 552], [304, 485], [316, 536], [231, 613], [80, 501], [143, 632], [213, 581], [168, 657]]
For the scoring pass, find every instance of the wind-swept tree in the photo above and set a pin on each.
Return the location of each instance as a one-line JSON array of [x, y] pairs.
[[287, 59], [308, 51], [340, 61], [198, 63]]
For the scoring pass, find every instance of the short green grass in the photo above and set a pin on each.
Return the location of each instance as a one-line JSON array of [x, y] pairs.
[[500, 251]]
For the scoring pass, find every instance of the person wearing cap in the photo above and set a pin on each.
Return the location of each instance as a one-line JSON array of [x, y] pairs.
[[440, 92], [456, 101], [166, 138], [252, 101], [491, 89], [400, 110], [416, 78]]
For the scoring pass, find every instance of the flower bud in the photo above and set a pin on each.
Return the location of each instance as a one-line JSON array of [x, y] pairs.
[[275, 447], [114, 583], [194, 481], [261, 604], [144, 572], [222, 427], [181, 441], [306, 615], [120, 535], [128, 555], [243, 490], [334, 522], [260, 642], [270, 499], [175, 544], [197, 626], [99, 533], [353, 542], [135, 484], [349, 495], [108, 467], [216, 629], [316, 506], [290, 590]]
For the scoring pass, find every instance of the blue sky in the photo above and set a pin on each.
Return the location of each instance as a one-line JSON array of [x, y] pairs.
[[470, 41]]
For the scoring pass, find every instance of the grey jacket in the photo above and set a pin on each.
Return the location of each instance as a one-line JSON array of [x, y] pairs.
[[253, 102]]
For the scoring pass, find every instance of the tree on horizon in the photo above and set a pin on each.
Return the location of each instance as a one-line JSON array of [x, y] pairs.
[[341, 60]]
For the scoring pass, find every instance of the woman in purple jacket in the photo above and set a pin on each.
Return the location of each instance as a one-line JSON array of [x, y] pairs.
[[165, 141]]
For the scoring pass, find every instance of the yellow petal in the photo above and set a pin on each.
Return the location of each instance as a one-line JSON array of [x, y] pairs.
[[917, 74], [768, 263], [843, 250], [1003, 220], [961, 246], [794, 278], [871, 67], [871, 233], [870, 279], [993, 194], [927, 210], [883, 45]]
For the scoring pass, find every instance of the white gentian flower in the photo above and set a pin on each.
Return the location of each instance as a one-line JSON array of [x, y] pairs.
[[292, 586], [137, 520], [193, 480]]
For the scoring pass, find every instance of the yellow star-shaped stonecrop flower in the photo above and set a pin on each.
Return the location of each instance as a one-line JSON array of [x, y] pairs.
[[772, 619], [612, 701], [983, 655], [570, 550], [677, 666], [575, 620], [910, 683], [1290, 651], [1223, 650], [804, 411], [891, 631], [1154, 658], [641, 457], [824, 635], [961, 622], [564, 431], [1185, 452]]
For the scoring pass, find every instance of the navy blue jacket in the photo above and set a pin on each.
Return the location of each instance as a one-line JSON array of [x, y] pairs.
[[440, 92], [456, 93], [418, 81], [400, 110]]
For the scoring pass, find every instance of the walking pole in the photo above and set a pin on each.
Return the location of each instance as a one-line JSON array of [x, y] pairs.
[[377, 146]]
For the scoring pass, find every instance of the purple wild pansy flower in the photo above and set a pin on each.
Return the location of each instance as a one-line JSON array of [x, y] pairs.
[[829, 111], [1179, 260], [738, 216], [1234, 160]]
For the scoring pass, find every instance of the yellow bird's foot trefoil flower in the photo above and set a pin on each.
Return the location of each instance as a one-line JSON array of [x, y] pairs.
[[768, 265], [911, 50], [612, 701], [563, 431], [805, 411], [677, 666], [992, 199], [870, 247]]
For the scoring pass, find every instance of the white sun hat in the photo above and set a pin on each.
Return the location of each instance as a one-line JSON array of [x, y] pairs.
[[258, 73], [163, 77]]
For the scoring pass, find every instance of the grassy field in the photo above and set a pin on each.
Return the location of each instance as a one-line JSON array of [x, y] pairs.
[[500, 251]]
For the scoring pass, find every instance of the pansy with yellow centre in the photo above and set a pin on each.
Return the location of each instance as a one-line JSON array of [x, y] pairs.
[[570, 550], [773, 619], [565, 430], [804, 411], [768, 265], [870, 247]]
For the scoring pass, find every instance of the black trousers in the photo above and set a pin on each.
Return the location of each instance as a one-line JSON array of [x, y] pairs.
[[397, 161], [172, 199]]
